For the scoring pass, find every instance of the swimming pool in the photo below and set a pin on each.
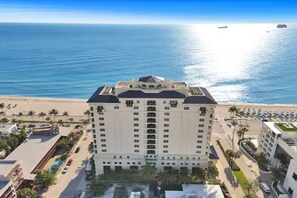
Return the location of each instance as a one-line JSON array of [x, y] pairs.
[[57, 162]]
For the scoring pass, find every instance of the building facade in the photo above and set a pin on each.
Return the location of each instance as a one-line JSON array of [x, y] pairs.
[[281, 138], [6, 129], [11, 176], [151, 120]]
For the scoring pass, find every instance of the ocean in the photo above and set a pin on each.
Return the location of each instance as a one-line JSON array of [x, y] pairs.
[[250, 63]]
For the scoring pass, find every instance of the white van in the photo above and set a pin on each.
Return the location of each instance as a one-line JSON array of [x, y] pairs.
[[265, 187]]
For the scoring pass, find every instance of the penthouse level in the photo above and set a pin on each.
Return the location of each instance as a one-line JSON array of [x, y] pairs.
[[151, 119]]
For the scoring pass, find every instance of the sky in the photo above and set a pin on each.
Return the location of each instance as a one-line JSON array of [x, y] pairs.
[[149, 11]]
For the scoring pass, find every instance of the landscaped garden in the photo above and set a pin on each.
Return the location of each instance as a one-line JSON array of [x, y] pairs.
[[286, 127]]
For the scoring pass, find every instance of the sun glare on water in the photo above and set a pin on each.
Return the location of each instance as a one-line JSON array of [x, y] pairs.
[[225, 56]]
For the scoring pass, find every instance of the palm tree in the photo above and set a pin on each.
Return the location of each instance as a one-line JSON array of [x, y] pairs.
[[60, 122], [251, 187], [241, 132], [42, 114], [31, 113], [87, 113], [48, 119], [212, 171], [70, 119], [185, 175], [232, 156], [148, 171], [26, 192], [85, 122], [54, 113], [20, 115], [65, 114], [2, 105], [233, 110]]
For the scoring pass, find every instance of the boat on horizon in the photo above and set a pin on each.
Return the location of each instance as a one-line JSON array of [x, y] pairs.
[[281, 26], [223, 27]]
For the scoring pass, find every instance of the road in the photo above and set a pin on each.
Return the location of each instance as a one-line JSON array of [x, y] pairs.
[[223, 132], [70, 184]]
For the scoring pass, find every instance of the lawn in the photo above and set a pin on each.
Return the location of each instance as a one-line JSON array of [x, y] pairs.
[[241, 180], [284, 128]]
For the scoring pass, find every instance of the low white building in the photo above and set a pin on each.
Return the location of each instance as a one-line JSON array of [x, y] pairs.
[[278, 138], [196, 191], [6, 129]]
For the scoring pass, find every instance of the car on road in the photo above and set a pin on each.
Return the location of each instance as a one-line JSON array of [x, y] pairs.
[[65, 170], [77, 149], [69, 162], [265, 187]]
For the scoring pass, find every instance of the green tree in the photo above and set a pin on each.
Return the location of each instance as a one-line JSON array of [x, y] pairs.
[[199, 174], [54, 113], [148, 171], [251, 188], [90, 147], [42, 114], [261, 159], [65, 114], [5, 120], [13, 142], [87, 113], [70, 119], [26, 193], [65, 144], [2, 105], [233, 110], [45, 179], [4, 146], [241, 132], [212, 170], [20, 115], [60, 122], [231, 155], [31, 113], [185, 176]]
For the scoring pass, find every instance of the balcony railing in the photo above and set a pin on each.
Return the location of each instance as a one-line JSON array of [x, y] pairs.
[[151, 137], [151, 147], [151, 109], [151, 120], [151, 131], [151, 126], [151, 142]]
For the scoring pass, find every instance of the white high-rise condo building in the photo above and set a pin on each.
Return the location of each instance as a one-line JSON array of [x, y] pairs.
[[151, 120]]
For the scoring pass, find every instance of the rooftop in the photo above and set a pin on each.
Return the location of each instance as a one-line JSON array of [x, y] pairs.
[[6, 126], [287, 127], [6, 166], [32, 151], [152, 87], [196, 191]]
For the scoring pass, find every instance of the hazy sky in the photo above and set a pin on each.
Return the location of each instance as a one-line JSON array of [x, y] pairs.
[[149, 11]]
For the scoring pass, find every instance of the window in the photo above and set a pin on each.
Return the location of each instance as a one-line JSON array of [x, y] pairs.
[[95, 146], [95, 141], [173, 103], [136, 119], [166, 119], [103, 145], [93, 125], [136, 146], [186, 108], [100, 109], [129, 103], [200, 136], [96, 151], [166, 108], [136, 135], [166, 114], [199, 141], [135, 124], [165, 141], [164, 102], [210, 115], [116, 107], [135, 113], [135, 108], [93, 120], [136, 151], [290, 191], [201, 125], [201, 120], [198, 146], [166, 125], [294, 176], [103, 150], [102, 129], [203, 110], [91, 108], [128, 157], [136, 130], [200, 131], [101, 124], [92, 114], [165, 136], [94, 136], [102, 135], [101, 118], [136, 140], [165, 146], [165, 151], [103, 140], [166, 130]]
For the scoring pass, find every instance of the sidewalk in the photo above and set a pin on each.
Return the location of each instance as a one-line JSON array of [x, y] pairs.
[[226, 175]]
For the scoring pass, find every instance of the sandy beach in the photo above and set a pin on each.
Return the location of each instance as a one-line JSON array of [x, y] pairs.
[[77, 107]]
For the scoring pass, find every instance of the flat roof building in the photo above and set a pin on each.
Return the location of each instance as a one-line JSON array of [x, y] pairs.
[[151, 119], [6, 129]]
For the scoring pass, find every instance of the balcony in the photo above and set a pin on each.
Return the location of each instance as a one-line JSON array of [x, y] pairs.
[[151, 152], [151, 102], [151, 120], [151, 142], [151, 147], [151, 137], [151, 109], [151, 131], [151, 114], [151, 126]]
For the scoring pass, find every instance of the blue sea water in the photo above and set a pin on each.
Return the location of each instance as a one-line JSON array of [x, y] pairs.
[[254, 63]]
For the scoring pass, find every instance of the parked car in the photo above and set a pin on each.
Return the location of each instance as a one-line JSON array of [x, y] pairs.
[[227, 195], [69, 162], [65, 170], [265, 187], [77, 149]]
